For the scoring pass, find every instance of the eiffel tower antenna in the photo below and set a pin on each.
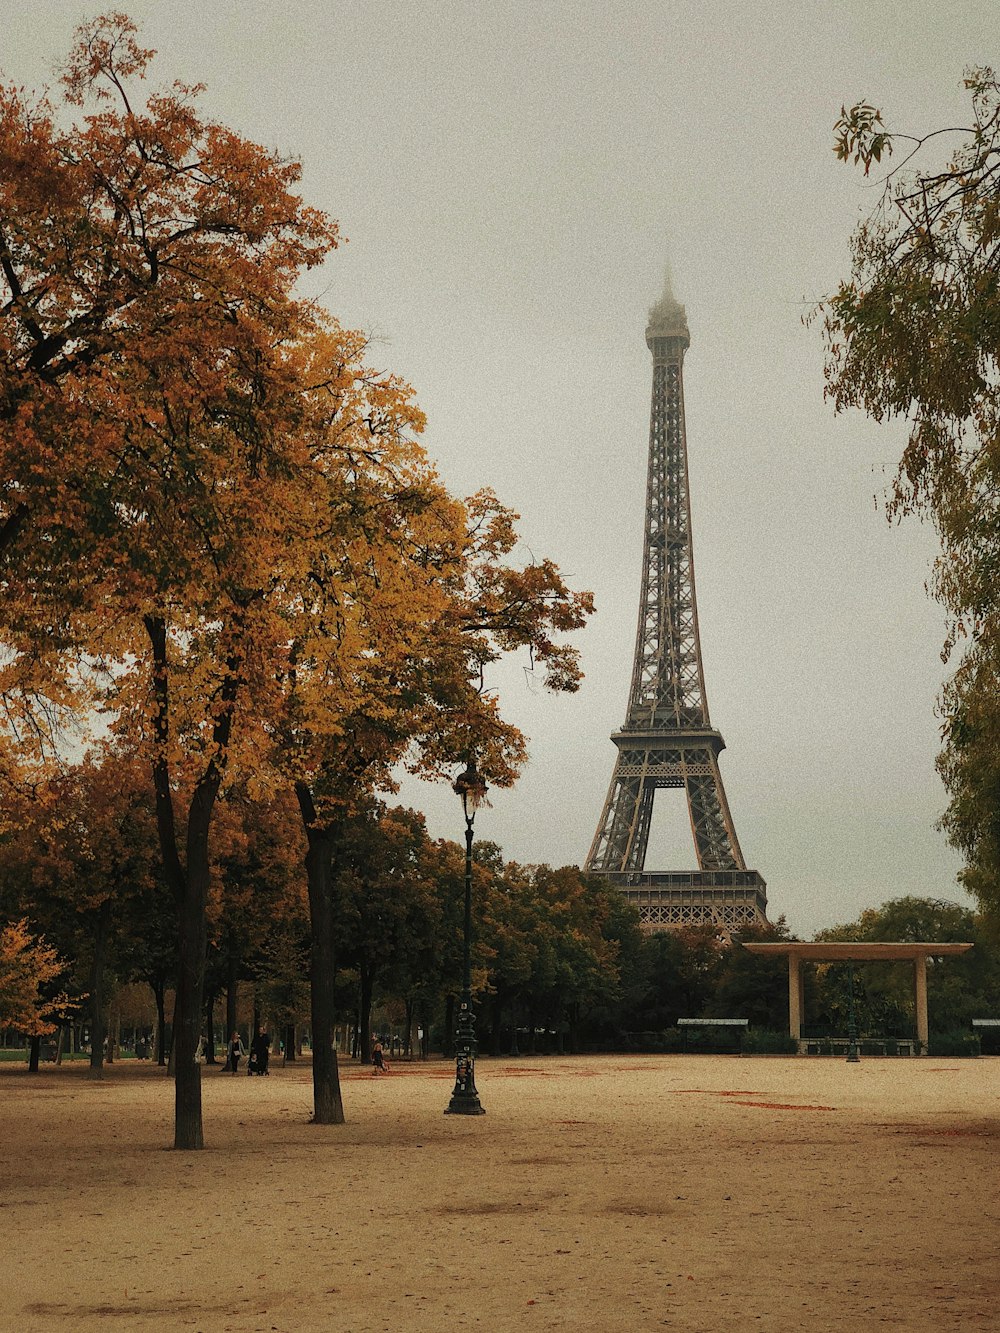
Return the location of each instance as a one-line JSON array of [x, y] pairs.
[[668, 739]]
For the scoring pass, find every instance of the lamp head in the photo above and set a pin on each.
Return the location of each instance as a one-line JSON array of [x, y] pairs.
[[471, 786]]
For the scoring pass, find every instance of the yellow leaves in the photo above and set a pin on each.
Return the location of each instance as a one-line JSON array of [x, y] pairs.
[[195, 447], [27, 964], [859, 134]]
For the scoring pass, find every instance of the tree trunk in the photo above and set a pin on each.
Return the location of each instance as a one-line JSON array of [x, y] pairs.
[[448, 1042], [159, 994], [188, 880], [366, 975], [34, 1051], [59, 1043], [98, 1027], [328, 1104], [497, 1007], [408, 1050], [210, 1018], [188, 1128], [289, 1042], [232, 982]]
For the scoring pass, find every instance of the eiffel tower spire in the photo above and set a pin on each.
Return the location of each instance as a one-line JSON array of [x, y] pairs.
[[668, 739]]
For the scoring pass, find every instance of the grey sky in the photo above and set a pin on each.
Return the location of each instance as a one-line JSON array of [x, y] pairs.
[[512, 179]]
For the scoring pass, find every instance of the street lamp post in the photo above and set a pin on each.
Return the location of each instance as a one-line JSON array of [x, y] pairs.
[[465, 1099], [853, 1057]]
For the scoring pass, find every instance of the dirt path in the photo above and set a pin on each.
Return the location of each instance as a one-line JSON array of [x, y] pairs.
[[688, 1193]]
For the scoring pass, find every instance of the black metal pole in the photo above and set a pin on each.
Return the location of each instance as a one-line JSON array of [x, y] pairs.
[[465, 1098]]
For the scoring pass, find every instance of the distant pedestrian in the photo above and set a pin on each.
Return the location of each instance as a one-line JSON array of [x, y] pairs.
[[236, 1052], [379, 1061], [260, 1052]]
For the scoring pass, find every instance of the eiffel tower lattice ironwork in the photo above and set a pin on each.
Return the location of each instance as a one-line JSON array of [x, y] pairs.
[[668, 739]]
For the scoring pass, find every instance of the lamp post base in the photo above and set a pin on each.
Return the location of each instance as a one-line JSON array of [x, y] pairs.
[[465, 1098], [463, 1104]]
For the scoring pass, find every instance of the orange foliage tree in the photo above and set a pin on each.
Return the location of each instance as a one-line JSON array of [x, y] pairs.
[[27, 963], [407, 598], [216, 519], [148, 258]]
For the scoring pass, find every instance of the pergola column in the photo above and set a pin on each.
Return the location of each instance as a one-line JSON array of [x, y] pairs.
[[920, 987], [794, 996]]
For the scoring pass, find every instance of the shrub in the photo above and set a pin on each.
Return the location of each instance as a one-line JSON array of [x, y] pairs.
[[961, 1044], [759, 1041]]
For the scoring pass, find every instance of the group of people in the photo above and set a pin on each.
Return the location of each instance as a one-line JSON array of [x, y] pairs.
[[260, 1053]]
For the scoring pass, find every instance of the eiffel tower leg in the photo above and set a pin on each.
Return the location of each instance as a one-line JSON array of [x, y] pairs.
[[711, 822], [620, 841]]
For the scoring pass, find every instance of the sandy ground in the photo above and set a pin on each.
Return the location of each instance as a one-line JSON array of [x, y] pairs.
[[679, 1192]]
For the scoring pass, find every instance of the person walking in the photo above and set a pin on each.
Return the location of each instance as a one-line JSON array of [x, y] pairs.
[[378, 1060], [235, 1052], [260, 1052]]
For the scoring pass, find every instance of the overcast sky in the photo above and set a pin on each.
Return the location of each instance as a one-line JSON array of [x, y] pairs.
[[512, 179]]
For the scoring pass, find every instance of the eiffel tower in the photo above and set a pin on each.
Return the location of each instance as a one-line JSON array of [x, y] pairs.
[[668, 739]]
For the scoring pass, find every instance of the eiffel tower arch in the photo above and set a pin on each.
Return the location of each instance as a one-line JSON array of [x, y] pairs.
[[668, 739]]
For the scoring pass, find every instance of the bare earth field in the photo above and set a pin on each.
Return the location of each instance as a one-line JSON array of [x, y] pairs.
[[607, 1193]]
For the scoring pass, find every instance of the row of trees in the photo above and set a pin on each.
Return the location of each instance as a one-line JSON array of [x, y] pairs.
[[219, 536], [555, 951]]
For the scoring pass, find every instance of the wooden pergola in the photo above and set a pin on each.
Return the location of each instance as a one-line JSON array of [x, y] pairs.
[[845, 951]]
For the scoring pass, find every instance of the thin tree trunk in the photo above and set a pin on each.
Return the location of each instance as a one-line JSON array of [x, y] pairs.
[[366, 974], [114, 1032], [232, 982], [159, 994], [34, 1051], [497, 1021], [289, 1042], [210, 1044], [188, 1127], [328, 1103], [409, 1029], [98, 1027], [448, 1044]]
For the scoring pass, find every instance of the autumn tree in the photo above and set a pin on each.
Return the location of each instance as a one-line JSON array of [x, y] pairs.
[[27, 964], [914, 333], [148, 257], [411, 599], [84, 861], [217, 521]]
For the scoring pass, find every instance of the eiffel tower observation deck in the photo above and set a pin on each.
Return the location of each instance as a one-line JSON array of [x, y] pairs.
[[668, 739]]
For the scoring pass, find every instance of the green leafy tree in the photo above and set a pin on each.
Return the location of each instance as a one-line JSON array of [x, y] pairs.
[[749, 985], [385, 908], [914, 333], [958, 989]]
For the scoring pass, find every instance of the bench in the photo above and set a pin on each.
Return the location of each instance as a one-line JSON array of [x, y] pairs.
[[713, 1022]]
